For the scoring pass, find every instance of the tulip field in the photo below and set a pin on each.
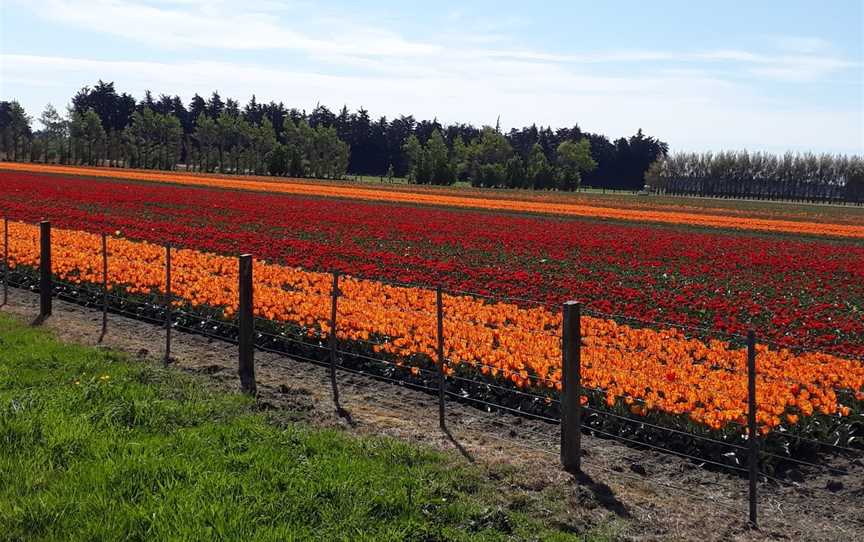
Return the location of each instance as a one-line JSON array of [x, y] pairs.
[[667, 294]]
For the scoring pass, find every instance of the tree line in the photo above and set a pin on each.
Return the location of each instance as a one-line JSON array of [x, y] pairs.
[[105, 127], [489, 160], [741, 174]]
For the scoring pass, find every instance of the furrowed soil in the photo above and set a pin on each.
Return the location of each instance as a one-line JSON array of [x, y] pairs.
[[649, 495]]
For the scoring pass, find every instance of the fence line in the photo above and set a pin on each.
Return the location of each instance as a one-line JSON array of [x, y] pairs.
[[569, 405]]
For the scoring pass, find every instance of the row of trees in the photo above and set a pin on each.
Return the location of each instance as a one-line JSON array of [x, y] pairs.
[[741, 174], [490, 161], [154, 140], [219, 135]]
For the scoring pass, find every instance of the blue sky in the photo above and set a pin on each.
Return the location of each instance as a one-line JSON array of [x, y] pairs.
[[769, 75]]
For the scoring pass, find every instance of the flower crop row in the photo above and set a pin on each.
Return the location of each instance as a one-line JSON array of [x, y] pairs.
[[653, 370], [797, 292], [438, 199]]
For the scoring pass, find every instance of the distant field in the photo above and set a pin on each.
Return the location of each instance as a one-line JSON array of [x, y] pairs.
[[646, 260], [744, 215]]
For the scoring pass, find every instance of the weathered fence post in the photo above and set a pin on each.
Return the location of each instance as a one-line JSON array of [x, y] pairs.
[[104, 287], [334, 300], [571, 388], [442, 375], [247, 327], [5, 260], [45, 282], [752, 429], [168, 299]]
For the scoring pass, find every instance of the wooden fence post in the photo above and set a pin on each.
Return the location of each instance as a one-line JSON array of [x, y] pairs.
[[45, 283], [571, 389], [334, 300], [752, 428], [5, 260], [247, 327], [168, 299], [104, 287], [442, 375]]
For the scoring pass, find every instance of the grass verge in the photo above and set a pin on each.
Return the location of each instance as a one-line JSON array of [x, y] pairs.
[[94, 446]]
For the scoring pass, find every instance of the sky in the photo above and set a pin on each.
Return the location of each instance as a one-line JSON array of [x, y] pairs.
[[701, 75]]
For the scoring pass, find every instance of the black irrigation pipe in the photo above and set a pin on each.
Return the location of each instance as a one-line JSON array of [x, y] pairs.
[[341, 367], [369, 342], [403, 383], [660, 427], [384, 362], [203, 333], [666, 450], [284, 338], [502, 407], [135, 316], [550, 400], [206, 319]]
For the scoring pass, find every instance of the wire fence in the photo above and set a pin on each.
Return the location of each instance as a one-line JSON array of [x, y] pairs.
[[582, 372]]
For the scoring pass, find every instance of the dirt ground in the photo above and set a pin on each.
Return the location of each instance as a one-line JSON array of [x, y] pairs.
[[649, 495]]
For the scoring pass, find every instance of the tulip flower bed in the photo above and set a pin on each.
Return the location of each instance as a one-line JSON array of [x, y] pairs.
[[798, 292], [662, 373]]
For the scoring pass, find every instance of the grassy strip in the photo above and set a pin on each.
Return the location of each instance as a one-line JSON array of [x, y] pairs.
[[100, 448]]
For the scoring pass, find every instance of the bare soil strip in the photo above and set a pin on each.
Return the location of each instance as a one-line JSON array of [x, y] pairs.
[[652, 496]]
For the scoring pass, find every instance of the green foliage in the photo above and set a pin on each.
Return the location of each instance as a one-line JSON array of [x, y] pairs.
[[573, 158], [540, 173], [87, 131], [515, 172], [761, 175], [488, 154], [429, 164], [14, 130], [855, 183], [153, 140], [55, 130], [439, 160], [99, 448], [279, 160]]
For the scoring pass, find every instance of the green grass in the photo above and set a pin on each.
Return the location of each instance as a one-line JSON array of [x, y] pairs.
[[96, 447]]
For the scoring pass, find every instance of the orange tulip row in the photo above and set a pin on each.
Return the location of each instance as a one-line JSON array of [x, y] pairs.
[[725, 220], [651, 370]]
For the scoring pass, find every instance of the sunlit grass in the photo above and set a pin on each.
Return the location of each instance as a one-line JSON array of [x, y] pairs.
[[97, 447]]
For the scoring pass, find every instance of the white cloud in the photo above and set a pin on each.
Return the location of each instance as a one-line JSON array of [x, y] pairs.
[[338, 38], [217, 26], [802, 44], [693, 99], [690, 111]]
